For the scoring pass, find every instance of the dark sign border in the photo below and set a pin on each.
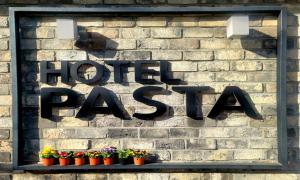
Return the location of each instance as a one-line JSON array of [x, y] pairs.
[[281, 12]]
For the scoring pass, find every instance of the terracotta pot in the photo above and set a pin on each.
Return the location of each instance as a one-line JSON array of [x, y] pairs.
[[94, 161], [48, 161], [64, 161], [139, 161], [79, 161], [108, 161]]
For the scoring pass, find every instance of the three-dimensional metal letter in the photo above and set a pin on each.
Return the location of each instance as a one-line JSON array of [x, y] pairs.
[[113, 104], [118, 69], [95, 79], [45, 72], [141, 71], [228, 98], [165, 74], [47, 102], [193, 100], [139, 95]]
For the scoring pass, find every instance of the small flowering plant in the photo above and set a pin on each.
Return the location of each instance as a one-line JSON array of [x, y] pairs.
[[94, 154], [108, 152], [139, 153], [48, 152], [79, 155], [65, 154]]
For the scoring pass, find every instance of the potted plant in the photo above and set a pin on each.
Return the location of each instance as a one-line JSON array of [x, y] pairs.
[[139, 157], [124, 156], [94, 157], [48, 155], [64, 158], [108, 155], [79, 158]]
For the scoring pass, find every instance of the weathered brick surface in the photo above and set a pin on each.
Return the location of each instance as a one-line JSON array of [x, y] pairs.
[[4, 134], [229, 54], [184, 21], [201, 144], [213, 66], [198, 32], [249, 154], [122, 133], [5, 157], [43, 33], [135, 33], [154, 133], [100, 143], [151, 21], [166, 55], [173, 44], [78, 144], [43, 55], [170, 144], [71, 55], [123, 176], [5, 88], [119, 22], [140, 144], [72, 122], [56, 44], [198, 55], [166, 33], [92, 176]]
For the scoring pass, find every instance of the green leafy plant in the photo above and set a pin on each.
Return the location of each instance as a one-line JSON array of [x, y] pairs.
[[124, 153]]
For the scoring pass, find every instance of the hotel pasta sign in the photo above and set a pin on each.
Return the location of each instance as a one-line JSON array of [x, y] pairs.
[[151, 74], [142, 71]]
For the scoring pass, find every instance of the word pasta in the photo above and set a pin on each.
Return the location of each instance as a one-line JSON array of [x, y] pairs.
[[144, 75]]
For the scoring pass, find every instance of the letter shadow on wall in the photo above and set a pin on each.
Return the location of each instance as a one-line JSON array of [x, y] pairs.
[[30, 122], [267, 48], [98, 47], [293, 90]]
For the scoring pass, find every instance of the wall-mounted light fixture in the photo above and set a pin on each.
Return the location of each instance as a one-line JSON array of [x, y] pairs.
[[66, 29], [237, 26]]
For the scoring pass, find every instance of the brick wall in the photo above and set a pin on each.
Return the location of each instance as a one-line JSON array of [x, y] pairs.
[[199, 53]]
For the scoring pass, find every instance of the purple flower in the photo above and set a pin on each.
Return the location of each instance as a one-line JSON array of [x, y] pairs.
[[110, 150]]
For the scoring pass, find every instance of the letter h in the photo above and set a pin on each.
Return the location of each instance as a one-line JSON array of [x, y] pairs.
[[45, 72]]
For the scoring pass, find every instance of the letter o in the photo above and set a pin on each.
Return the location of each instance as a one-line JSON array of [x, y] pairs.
[[96, 78]]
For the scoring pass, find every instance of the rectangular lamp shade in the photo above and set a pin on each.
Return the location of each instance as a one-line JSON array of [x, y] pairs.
[[237, 26], [66, 29]]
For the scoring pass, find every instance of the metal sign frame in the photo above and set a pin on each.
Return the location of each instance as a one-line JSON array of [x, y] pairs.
[[14, 16]]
